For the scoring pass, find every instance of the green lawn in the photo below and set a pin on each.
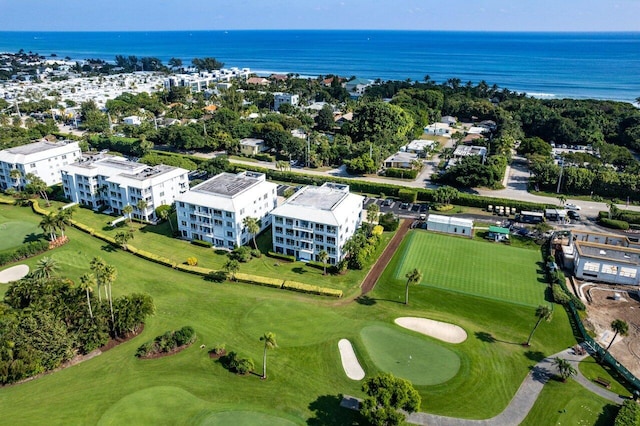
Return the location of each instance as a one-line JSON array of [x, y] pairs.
[[14, 231], [157, 239], [568, 404], [305, 371], [473, 267], [592, 370], [414, 358]]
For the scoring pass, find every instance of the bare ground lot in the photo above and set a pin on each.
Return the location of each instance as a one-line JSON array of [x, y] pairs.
[[603, 309]]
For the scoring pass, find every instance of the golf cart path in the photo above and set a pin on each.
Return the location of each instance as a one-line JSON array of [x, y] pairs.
[[525, 397]]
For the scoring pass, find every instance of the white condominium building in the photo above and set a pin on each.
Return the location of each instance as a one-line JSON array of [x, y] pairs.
[[98, 180], [44, 159], [213, 211], [316, 219]]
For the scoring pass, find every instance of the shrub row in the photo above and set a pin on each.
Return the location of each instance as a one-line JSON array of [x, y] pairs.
[[167, 342], [193, 269], [407, 195], [23, 252], [401, 173], [559, 290], [256, 279], [201, 243], [629, 414], [281, 256], [311, 289], [153, 257], [614, 224]]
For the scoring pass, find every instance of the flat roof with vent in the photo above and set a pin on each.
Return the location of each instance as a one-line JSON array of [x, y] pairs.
[[228, 184], [325, 197]]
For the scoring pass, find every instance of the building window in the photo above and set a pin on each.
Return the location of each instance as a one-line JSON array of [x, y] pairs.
[[227, 214], [278, 219], [628, 272], [591, 266], [229, 224], [278, 229], [230, 234], [609, 269], [183, 223]]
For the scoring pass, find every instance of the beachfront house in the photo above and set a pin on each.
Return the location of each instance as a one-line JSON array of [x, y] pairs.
[[214, 210], [43, 159], [317, 219]]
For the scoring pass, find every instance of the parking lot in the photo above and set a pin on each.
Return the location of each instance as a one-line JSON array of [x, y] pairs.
[[398, 208]]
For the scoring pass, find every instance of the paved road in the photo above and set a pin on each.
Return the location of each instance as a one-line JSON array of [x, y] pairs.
[[516, 179]]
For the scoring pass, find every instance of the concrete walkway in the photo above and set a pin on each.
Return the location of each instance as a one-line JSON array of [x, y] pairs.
[[525, 397]]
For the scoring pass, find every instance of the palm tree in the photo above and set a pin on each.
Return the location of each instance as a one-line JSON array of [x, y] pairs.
[[109, 276], [232, 266], [413, 277], [323, 256], [142, 207], [562, 199], [620, 327], [166, 215], [97, 265], [543, 312], [253, 227], [127, 210], [45, 268], [565, 368], [269, 340], [49, 226], [16, 175], [63, 218], [39, 186], [87, 281], [613, 209], [123, 237]]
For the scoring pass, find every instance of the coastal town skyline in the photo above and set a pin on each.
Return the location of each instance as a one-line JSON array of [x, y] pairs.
[[459, 15]]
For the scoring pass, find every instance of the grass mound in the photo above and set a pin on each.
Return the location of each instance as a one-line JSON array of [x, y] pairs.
[[16, 233], [418, 360]]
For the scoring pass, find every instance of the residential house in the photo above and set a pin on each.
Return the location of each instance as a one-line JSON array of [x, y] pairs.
[[421, 147], [252, 146], [132, 120], [438, 129], [280, 98], [401, 160], [317, 219]]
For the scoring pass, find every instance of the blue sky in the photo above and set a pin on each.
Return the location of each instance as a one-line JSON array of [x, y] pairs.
[[476, 15]]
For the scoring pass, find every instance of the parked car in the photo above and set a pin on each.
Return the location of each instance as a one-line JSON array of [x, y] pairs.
[[571, 206], [573, 215], [424, 208], [415, 208], [404, 206], [387, 202]]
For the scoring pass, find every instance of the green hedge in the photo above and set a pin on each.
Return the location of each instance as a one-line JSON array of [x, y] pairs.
[[256, 279], [614, 224], [407, 195], [312, 289], [629, 414], [152, 257], [281, 256], [201, 243], [401, 173], [192, 269], [25, 251]]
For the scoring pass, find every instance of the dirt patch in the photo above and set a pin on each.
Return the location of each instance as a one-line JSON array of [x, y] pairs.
[[112, 343], [218, 355], [370, 280], [603, 309]]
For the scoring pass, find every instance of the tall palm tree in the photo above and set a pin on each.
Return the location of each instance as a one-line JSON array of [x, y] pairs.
[[620, 327], [49, 226], [413, 277], [166, 215], [323, 256], [253, 227], [372, 213], [543, 312], [87, 281], [562, 199], [63, 218], [127, 210], [565, 368], [17, 176], [123, 237], [39, 186], [45, 268], [269, 340], [142, 207], [97, 265], [109, 276]]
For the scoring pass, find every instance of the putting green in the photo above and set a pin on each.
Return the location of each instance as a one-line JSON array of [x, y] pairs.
[[413, 358], [16, 233]]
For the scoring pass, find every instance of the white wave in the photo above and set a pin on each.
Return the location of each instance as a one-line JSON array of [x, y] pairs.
[[541, 95]]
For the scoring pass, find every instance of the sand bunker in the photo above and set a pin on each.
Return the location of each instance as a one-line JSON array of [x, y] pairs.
[[350, 361], [444, 331], [14, 273]]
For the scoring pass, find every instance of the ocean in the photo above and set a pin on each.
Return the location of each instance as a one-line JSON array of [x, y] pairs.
[[546, 65]]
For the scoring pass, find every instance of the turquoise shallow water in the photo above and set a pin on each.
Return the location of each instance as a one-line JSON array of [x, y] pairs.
[[577, 65]]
